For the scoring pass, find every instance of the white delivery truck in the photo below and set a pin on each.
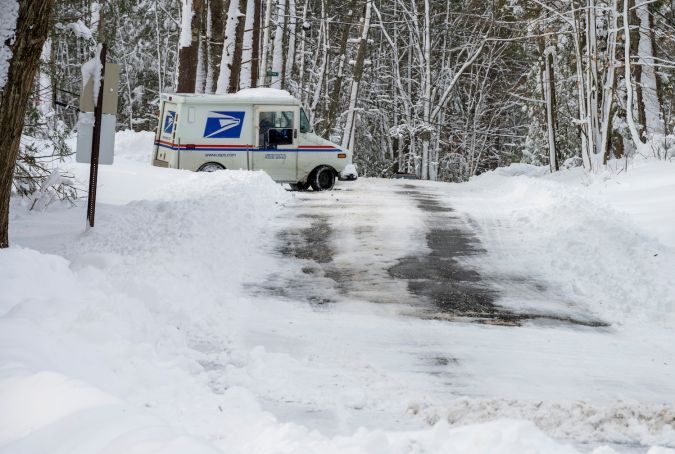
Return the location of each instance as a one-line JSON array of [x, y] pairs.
[[255, 129]]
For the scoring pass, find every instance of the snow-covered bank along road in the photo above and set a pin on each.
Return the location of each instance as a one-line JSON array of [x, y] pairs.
[[196, 318]]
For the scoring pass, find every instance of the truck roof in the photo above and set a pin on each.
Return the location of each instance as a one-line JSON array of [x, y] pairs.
[[245, 96]]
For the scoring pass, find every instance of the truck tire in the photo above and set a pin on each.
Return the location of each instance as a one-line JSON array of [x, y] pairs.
[[322, 178], [210, 167]]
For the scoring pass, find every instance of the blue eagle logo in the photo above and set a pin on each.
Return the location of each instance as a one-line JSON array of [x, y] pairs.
[[169, 121], [224, 125]]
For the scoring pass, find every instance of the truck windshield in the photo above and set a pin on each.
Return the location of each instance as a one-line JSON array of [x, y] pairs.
[[304, 122]]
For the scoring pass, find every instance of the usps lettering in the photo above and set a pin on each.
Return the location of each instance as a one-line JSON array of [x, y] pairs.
[[224, 125], [169, 121]]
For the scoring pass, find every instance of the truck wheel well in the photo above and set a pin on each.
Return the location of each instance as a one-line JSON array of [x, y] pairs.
[[315, 169]]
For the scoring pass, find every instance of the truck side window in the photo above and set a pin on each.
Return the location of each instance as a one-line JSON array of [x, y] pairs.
[[284, 120], [304, 122], [266, 122], [275, 128]]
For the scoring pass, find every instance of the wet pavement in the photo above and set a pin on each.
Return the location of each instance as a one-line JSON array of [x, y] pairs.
[[457, 290], [439, 283]]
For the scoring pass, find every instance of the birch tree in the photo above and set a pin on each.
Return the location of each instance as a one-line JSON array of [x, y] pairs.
[[277, 48], [229, 46]]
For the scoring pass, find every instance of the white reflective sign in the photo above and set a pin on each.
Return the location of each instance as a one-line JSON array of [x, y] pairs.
[[85, 132]]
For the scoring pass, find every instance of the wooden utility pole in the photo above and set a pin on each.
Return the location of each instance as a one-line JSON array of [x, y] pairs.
[[32, 27], [96, 141]]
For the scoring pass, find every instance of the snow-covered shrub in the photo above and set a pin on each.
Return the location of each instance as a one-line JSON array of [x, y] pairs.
[[574, 161], [43, 147], [453, 167]]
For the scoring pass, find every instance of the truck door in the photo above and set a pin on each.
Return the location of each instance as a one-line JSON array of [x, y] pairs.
[[276, 132], [166, 131]]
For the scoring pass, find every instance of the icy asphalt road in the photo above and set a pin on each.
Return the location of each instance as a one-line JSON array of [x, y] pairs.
[[406, 326]]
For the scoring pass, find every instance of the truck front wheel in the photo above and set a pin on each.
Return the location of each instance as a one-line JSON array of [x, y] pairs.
[[210, 167], [322, 178]]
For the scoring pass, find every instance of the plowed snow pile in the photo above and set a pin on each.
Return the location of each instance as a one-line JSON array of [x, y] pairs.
[[604, 241]]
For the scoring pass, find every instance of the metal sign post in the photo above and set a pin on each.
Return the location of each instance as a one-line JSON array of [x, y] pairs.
[[96, 142]]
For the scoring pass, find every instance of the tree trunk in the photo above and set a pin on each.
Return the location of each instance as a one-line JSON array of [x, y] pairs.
[[634, 36], [255, 45], [32, 27], [235, 67], [427, 92], [632, 127], [188, 55], [303, 36], [229, 45], [289, 60], [609, 85], [587, 149], [215, 44], [277, 51], [548, 92], [348, 135], [266, 41], [202, 54], [247, 46], [648, 80], [337, 84]]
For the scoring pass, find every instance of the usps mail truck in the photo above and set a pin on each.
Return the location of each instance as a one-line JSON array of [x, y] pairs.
[[255, 129]]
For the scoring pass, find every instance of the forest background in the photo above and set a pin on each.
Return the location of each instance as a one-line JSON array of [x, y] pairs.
[[444, 89]]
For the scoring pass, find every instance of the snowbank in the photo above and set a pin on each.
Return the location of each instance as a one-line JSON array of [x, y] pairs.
[[134, 146], [602, 241], [114, 326]]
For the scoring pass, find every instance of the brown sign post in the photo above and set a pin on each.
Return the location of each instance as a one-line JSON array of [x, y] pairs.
[[96, 142]]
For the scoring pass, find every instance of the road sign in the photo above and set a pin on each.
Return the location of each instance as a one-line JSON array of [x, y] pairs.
[[110, 91], [96, 122], [85, 135], [273, 73]]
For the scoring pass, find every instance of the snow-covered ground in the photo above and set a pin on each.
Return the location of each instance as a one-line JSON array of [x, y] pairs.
[[163, 329]]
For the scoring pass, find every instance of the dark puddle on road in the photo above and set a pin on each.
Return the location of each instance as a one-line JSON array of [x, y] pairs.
[[456, 291]]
